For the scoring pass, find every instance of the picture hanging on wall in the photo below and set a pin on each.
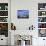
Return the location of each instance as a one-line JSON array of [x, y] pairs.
[[21, 14]]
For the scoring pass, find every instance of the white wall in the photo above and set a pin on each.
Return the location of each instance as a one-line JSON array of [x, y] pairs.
[[23, 24], [32, 6]]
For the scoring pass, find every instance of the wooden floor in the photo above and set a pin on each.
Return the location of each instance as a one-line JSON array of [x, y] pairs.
[[3, 45]]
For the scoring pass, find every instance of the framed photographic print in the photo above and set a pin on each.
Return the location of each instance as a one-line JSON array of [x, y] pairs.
[[21, 14]]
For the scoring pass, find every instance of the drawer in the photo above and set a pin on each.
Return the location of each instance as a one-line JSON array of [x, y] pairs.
[[3, 41]]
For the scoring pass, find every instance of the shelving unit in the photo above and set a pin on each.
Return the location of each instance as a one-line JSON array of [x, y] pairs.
[[3, 10], [42, 19], [41, 10], [43, 16], [4, 19]]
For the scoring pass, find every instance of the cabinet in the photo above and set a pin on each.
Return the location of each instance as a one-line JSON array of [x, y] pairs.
[[3, 40], [4, 19], [42, 41], [42, 19], [4, 22]]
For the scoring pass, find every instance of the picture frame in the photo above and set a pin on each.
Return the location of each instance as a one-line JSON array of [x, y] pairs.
[[22, 14]]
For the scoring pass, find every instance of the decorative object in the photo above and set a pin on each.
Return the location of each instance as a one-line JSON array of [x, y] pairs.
[[42, 32], [13, 27], [6, 7], [4, 29], [41, 19], [3, 6], [22, 14], [31, 27], [3, 19], [41, 25], [0, 7], [3, 13], [43, 13], [41, 6]]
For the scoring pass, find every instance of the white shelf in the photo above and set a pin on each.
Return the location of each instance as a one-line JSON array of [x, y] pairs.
[[42, 16], [41, 22], [3, 10], [3, 22], [41, 10], [3, 16], [41, 28]]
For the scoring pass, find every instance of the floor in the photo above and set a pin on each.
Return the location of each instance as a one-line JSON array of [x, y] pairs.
[[3, 45]]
